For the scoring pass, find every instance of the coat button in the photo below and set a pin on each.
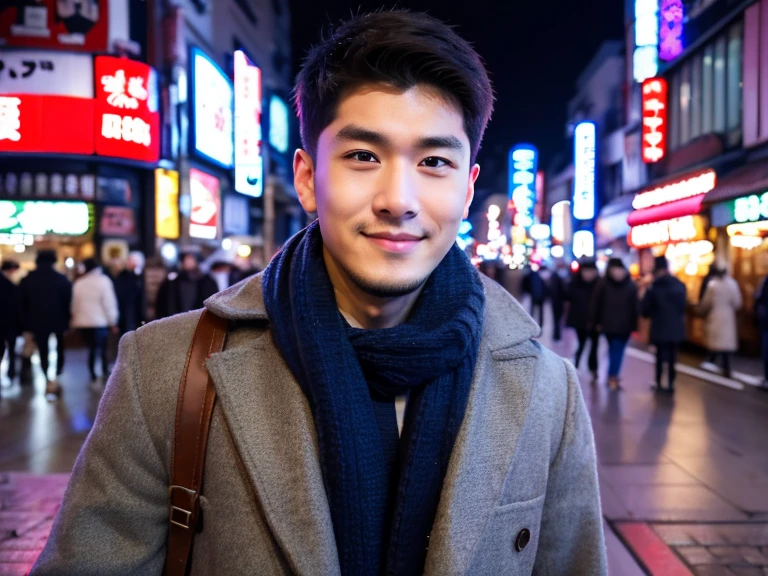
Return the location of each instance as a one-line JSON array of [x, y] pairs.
[[522, 539]]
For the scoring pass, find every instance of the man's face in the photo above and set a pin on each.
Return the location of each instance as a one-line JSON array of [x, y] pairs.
[[391, 183]]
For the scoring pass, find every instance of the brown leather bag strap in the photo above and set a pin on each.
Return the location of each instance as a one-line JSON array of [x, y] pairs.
[[190, 438]]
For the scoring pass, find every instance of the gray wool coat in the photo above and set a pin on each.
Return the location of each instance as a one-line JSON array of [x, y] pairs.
[[524, 459]]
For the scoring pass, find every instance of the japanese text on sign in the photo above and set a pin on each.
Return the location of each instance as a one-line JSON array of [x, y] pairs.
[[654, 119], [584, 171]]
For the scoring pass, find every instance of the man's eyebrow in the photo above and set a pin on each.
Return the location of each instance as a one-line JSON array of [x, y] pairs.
[[360, 134], [449, 142]]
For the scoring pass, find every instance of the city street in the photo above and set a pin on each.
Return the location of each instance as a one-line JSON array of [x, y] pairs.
[[684, 479]]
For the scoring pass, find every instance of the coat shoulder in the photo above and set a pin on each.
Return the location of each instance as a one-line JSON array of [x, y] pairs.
[[161, 349]]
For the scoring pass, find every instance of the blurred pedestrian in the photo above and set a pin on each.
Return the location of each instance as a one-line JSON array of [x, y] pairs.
[[94, 313], [761, 316], [721, 302], [185, 290], [556, 288], [225, 274], [580, 292], [536, 288], [664, 304], [616, 310], [129, 289], [46, 297], [10, 317]]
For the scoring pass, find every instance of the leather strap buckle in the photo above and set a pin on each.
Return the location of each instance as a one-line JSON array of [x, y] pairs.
[[180, 516]]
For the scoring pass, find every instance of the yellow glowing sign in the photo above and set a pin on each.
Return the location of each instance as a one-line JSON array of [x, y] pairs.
[[167, 204]]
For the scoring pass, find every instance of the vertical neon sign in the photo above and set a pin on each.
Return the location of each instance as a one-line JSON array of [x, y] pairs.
[[523, 163], [584, 171], [645, 60], [249, 163], [654, 119], [671, 14]]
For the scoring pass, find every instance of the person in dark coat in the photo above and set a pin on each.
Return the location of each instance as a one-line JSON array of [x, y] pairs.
[[10, 319], [557, 295], [664, 304], [580, 317], [186, 290], [129, 289], [761, 316], [46, 297], [616, 308], [535, 286]]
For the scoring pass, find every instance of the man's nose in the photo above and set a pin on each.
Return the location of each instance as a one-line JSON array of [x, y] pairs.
[[398, 195]]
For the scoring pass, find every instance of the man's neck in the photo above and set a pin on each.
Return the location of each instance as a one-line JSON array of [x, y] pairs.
[[363, 310]]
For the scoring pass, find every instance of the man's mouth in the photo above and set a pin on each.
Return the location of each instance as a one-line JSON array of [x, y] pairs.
[[398, 243]]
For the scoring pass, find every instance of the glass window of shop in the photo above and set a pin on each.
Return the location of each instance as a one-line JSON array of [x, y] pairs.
[[706, 91]]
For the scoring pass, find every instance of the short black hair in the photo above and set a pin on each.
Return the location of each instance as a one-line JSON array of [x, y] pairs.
[[46, 257], [90, 264], [398, 48]]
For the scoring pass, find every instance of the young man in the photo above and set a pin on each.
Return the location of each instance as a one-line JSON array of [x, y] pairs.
[[310, 468]]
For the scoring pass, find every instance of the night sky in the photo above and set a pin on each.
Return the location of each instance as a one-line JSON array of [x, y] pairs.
[[534, 51]]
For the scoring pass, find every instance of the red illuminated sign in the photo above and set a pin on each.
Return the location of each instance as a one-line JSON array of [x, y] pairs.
[[57, 24], [127, 123], [654, 119], [206, 199], [42, 123]]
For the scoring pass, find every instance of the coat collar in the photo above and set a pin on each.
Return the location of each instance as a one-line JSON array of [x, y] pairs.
[[505, 322], [272, 427]]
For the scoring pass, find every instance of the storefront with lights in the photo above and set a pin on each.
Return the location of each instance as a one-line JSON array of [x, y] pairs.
[[741, 228], [669, 219], [79, 140]]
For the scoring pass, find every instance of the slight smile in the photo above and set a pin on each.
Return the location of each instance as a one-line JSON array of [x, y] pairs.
[[400, 243]]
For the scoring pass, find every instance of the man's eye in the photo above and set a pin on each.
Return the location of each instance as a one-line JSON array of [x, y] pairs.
[[435, 162], [362, 156]]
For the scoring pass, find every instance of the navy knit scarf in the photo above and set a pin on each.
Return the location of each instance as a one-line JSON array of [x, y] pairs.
[[433, 354]]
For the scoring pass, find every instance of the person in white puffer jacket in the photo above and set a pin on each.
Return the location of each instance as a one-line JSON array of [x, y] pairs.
[[94, 312]]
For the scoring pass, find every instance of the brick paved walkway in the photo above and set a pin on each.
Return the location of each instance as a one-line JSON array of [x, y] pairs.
[[28, 505]]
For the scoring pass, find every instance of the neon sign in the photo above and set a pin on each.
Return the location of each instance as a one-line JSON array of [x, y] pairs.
[[664, 232], [212, 111], [584, 171], [523, 162], [127, 119], [645, 58], [279, 130], [688, 187], [654, 119], [671, 17], [38, 218], [205, 195], [249, 163], [751, 208], [583, 244]]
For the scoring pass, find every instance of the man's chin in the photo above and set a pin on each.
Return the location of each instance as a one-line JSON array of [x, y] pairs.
[[387, 287]]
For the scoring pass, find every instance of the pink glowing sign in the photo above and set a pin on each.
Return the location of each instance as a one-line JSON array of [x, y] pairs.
[[671, 13]]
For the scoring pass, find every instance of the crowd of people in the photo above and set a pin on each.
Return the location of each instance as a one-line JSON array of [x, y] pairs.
[[102, 301], [610, 306]]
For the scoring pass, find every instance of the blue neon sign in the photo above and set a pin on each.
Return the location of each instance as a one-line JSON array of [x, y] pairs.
[[523, 163], [584, 158]]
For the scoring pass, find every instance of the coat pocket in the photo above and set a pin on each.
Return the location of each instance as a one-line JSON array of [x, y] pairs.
[[510, 540]]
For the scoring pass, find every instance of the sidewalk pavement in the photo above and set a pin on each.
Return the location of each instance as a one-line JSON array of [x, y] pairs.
[[683, 478], [28, 506]]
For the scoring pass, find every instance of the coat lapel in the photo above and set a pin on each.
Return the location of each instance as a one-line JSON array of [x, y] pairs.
[[488, 438], [272, 427]]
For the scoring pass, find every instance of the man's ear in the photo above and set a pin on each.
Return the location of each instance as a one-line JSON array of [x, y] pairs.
[[474, 172], [304, 180]]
